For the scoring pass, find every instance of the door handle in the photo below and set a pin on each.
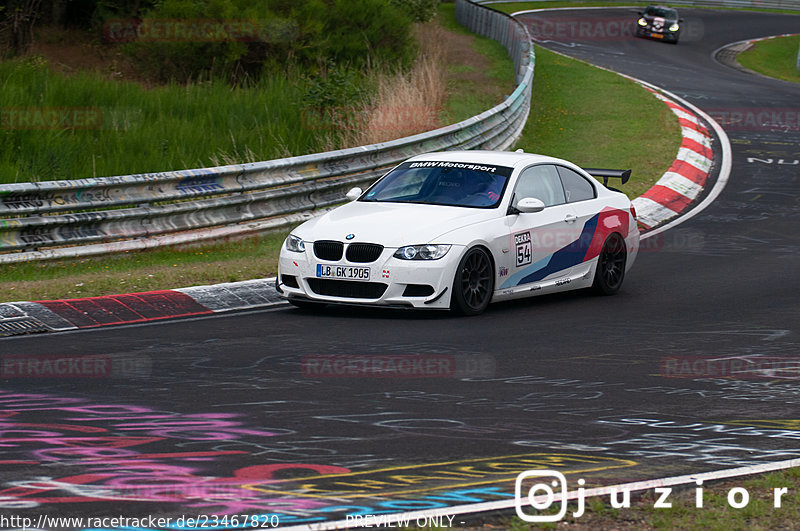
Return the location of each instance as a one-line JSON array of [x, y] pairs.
[[570, 218]]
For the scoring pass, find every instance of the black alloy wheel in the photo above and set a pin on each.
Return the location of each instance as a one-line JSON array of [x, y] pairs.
[[473, 284], [610, 266]]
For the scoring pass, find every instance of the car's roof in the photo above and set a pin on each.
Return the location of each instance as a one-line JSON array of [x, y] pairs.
[[501, 158]]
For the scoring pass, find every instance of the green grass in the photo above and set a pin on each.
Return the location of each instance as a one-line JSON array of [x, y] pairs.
[[129, 272], [774, 58], [715, 514], [598, 119], [471, 94], [590, 126], [144, 129]]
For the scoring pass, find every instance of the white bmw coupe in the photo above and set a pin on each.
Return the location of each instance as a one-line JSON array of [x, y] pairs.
[[460, 229]]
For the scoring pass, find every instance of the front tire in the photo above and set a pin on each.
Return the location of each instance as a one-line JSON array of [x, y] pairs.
[[473, 284], [611, 262]]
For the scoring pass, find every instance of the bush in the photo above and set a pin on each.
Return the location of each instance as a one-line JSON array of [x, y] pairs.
[[334, 86], [419, 10], [276, 33], [364, 30]]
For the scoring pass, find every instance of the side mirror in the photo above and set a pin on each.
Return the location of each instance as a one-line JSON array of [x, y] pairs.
[[527, 205], [354, 193], [640, 13], [680, 20]]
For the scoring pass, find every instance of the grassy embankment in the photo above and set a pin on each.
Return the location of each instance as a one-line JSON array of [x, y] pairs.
[[579, 113], [774, 58], [716, 513], [130, 128]]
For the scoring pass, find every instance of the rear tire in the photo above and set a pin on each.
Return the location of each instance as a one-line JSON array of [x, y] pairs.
[[611, 262], [473, 284]]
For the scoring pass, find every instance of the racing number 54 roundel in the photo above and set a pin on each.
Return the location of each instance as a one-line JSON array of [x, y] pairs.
[[458, 230], [522, 243]]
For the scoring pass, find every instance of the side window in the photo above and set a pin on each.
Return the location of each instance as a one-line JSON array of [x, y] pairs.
[[576, 187], [541, 182]]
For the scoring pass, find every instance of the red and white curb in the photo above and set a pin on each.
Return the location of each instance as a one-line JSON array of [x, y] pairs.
[[685, 180], [19, 318]]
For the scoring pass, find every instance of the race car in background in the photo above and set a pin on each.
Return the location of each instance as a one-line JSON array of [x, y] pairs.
[[460, 229], [659, 22]]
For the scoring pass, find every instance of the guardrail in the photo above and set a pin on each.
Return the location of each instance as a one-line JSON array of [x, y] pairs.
[[59, 219], [793, 5]]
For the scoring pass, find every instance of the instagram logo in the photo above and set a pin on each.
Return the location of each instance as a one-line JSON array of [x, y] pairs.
[[541, 495]]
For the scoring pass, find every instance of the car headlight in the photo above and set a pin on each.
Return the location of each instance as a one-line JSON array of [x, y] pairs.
[[674, 27], [421, 252], [642, 22], [293, 243]]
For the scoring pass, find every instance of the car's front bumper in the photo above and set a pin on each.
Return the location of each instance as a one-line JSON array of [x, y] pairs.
[[662, 35], [392, 282]]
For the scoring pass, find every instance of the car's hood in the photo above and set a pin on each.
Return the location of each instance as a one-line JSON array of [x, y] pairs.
[[391, 224], [662, 20]]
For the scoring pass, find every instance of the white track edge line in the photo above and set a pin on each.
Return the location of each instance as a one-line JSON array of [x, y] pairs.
[[571, 495]]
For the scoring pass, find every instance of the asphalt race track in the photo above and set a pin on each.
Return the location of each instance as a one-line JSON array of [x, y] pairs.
[[246, 414]]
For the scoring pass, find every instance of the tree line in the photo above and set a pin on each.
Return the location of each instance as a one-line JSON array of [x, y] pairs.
[[183, 40]]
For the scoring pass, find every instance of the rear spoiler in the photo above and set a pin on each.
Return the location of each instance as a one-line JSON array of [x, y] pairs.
[[623, 175]]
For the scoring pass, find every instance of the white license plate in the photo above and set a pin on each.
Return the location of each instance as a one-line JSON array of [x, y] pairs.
[[342, 272]]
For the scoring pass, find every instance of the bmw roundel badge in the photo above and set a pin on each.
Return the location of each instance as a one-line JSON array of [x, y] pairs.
[[350, 236]]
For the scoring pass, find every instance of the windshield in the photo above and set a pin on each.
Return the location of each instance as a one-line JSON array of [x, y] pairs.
[[661, 12], [442, 183]]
